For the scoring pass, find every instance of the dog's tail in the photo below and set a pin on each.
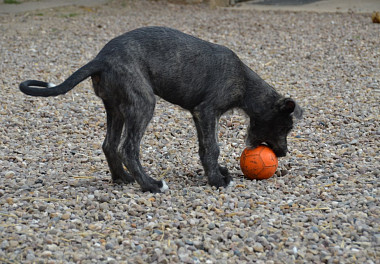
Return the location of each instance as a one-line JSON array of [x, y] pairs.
[[44, 89]]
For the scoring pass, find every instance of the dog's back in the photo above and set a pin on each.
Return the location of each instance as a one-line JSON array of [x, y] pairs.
[[180, 68]]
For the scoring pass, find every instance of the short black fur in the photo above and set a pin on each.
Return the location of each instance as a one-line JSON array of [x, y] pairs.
[[201, 77]]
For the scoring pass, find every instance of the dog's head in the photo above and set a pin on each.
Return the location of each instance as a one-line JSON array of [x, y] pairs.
[[273, 126]]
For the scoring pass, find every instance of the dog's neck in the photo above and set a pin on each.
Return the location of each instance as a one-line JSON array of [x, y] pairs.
[[259, 96]]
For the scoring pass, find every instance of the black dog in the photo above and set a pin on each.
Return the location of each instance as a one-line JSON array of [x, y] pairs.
[[202, 77]]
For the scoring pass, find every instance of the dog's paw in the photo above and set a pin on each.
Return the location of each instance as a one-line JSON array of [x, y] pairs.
[[164, 186], [156, 187], [220, 179]]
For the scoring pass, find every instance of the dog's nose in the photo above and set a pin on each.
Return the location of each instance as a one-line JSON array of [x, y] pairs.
[[280, 152], [277, 149]]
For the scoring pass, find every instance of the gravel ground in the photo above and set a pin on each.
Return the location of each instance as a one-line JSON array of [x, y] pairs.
[[322, 206]]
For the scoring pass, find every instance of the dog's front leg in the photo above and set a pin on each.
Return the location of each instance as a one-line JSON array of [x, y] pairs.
[[206, 123]]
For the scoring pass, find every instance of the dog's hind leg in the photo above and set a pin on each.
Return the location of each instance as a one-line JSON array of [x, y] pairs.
[[137, 113], [206, 123], [115, 123]]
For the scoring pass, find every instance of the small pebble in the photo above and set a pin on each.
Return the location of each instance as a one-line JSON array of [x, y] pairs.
[[258, 247], [109, 246], [38, 181], [65, 216], [9, 174]]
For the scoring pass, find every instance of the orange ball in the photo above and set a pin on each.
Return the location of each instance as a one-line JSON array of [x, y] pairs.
[[259, 163]]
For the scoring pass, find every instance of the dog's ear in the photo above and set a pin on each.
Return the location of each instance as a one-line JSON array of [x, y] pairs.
[[289, 106], [285, 105], [298, 111]]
